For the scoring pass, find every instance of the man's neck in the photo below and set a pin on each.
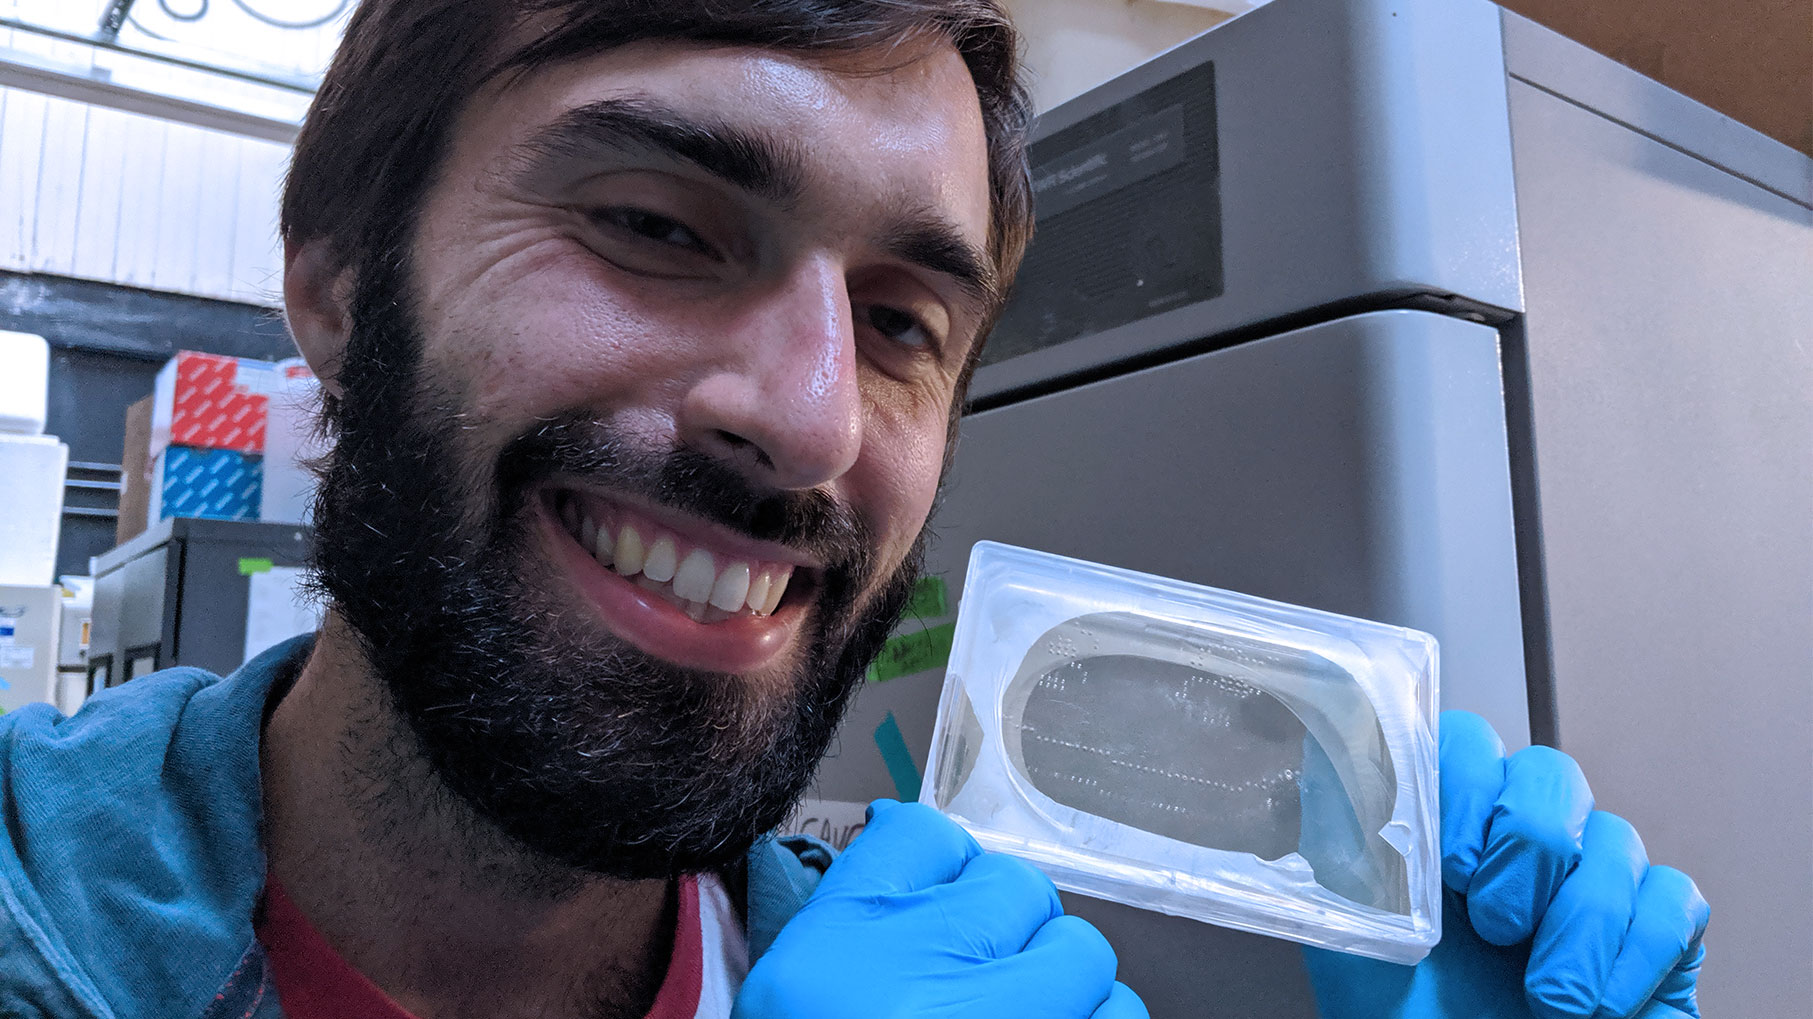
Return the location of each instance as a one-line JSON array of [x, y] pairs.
[[430, 902]]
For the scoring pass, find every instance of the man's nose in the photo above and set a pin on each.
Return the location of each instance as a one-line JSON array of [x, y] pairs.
[[781, 400]]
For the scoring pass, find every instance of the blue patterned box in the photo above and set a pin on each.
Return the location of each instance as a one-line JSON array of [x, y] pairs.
[[217, 483]]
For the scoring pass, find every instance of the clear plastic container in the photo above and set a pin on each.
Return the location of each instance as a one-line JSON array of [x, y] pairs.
[[1202, 753]]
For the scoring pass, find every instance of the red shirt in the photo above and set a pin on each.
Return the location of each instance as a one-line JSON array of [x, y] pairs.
[[313, 982]]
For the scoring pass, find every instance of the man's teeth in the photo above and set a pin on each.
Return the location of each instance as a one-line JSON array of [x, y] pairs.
[[658, 565], [628, 558], [731, 591], [758, 589], [696, 584], [696, 576]]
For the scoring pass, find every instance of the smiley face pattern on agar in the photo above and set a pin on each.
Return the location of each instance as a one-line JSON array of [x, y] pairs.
[[1185, 753]]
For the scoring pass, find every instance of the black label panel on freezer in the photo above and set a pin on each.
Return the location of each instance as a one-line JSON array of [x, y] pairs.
[[1129, 219]]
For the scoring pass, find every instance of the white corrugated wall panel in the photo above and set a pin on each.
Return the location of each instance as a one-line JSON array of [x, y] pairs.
[[103, 176], [21, 151], [54, 218], [257, 255], [141, 210], [217, 214], [176, 249], [53, 202], [101, 194]]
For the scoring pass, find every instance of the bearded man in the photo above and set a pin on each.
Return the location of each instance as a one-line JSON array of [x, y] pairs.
[[644, 329]]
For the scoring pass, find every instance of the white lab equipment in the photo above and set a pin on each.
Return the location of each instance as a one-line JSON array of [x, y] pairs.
[[30, 621], [24, 383], [72, 654], [32, 470]]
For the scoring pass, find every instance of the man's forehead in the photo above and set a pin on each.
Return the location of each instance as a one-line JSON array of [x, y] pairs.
[[904, 123]]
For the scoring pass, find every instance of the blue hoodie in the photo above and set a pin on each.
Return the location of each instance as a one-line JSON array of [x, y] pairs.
[[133, 860]]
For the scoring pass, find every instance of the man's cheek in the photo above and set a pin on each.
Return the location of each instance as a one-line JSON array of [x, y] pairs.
[[547, 349], [918, 481], [904, 443]]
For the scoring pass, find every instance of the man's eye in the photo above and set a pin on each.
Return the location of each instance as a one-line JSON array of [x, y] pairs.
[[899, 326], [654, 227]]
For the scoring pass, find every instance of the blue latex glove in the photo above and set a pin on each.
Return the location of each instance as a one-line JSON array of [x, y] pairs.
[[1551, 907], [914, 919]]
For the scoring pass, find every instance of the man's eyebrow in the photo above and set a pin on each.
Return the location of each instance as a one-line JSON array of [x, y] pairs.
[[750, 160], [939, 247]]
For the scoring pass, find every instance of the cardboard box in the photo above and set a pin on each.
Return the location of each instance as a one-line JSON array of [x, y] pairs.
[[291, 440], [208, 401], [1751, 60], [135, 473], [219, 484], [31, 507]]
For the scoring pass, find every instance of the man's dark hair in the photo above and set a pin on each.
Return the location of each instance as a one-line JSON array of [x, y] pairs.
[[380, 126]]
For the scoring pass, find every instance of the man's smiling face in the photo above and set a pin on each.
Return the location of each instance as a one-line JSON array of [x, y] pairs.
[[751, 256], [639, 439]]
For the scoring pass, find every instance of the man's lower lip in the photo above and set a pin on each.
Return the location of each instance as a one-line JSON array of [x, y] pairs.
[[739, 644]]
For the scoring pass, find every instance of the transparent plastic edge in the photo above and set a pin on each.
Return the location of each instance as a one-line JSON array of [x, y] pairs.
[[1341, 927], [953, 684], [934, 755], [1190, 598], [1407, 715]]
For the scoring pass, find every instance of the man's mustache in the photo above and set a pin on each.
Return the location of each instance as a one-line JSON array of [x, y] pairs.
[[575, 446]]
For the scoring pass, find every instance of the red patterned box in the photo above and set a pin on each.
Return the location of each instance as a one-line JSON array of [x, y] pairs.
[[208, 401]]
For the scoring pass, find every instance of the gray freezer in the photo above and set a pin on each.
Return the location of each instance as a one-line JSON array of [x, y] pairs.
[[1419, 312]]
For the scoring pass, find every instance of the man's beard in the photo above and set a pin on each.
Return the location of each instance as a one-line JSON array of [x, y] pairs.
[[568, 739]]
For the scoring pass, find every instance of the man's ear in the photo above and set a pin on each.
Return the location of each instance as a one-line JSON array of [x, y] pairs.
[[317, 302]]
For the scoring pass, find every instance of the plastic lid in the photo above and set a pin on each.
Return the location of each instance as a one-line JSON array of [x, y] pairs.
[[1194, 751]]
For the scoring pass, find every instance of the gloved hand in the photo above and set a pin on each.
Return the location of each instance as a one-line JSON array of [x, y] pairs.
[[1552, 909], [914, 919]]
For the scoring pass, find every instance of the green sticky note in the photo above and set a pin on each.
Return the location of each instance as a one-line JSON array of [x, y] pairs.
[[898, 758], [930, 600], [251, 565], [913, 652]]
